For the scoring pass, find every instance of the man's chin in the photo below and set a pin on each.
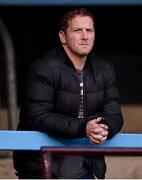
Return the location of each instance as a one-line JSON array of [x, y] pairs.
[[85, 53]]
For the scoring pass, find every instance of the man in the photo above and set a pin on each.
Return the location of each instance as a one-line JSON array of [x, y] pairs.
[[70, 93]]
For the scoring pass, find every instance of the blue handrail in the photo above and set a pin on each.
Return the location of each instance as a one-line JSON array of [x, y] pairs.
[[33, 140]]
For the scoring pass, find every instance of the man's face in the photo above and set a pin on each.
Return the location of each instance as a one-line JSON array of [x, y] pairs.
[[79, 37]]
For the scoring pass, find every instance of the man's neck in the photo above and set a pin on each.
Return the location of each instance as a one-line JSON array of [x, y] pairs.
[[78, 61]]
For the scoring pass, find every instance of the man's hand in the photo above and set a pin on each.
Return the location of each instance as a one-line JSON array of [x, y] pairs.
[[96, 133]]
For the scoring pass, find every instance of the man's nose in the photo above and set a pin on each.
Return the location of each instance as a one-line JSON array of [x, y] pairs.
[[84, 34]]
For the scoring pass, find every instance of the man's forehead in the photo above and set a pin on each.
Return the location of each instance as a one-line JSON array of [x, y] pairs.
[[81, 20]]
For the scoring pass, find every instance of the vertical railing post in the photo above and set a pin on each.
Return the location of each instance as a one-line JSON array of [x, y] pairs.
[[10, 75], [46, 159]]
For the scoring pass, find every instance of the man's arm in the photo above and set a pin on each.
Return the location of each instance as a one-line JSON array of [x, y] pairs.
[[111, 109], [38, 109], [112, 116]]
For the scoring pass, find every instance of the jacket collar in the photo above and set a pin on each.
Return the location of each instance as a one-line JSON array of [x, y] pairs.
[[67, 60]]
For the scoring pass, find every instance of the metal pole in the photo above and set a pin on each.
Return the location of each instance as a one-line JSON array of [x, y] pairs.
[[10, 75]]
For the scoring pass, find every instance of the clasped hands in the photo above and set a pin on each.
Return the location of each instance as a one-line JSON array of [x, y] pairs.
[[96, 132]]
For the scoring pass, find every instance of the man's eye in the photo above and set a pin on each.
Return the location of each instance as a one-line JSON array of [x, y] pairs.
[[77, 30], [90, 30]]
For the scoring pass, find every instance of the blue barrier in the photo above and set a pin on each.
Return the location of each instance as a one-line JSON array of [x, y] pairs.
[[33, 140]]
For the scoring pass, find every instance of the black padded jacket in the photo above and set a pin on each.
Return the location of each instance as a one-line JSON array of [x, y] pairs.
[[51, 104]]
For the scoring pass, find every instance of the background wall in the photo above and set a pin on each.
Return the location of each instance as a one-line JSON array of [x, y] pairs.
[[34, 31]]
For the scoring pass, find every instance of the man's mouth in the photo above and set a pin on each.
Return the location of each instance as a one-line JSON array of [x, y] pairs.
[[84, 44]]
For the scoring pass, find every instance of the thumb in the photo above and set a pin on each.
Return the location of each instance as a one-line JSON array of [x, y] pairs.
[[98, 119]]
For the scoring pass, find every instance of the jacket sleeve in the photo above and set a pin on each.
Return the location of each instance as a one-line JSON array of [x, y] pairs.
[[37, 110], [111, 109]]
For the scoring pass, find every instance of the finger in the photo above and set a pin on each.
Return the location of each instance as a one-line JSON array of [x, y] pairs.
[[100, 130], [103, 139], [92, 140], [104, 133], [97, 130], [103, 126], [96, 137]]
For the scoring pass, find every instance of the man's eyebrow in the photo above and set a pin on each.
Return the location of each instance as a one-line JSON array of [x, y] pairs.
[[76, 27]]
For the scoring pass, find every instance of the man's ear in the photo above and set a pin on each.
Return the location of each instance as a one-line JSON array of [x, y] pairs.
[[62, 37]]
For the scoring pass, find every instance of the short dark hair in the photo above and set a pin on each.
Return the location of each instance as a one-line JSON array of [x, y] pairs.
[[63, 25]]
